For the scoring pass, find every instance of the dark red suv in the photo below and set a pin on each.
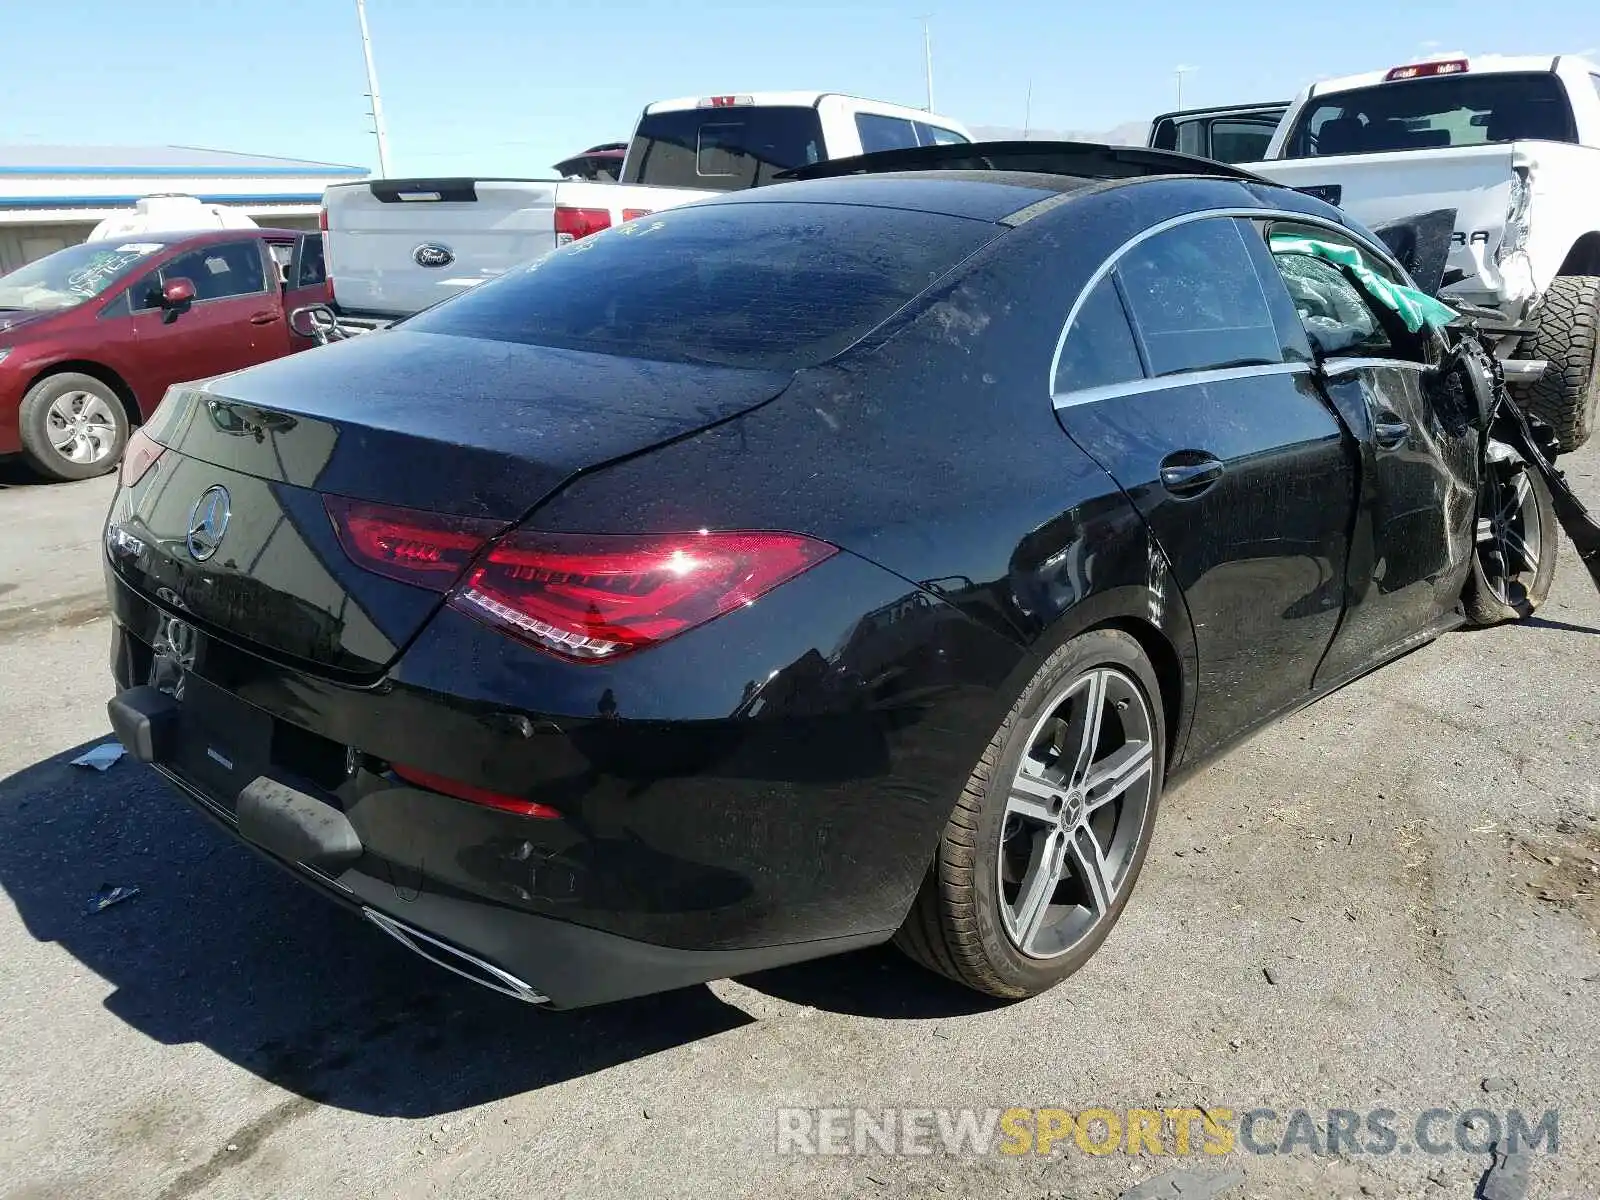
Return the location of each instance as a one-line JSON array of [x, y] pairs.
[[92, 336]]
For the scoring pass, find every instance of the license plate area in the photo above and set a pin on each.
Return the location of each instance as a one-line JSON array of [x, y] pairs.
[[223, 743]]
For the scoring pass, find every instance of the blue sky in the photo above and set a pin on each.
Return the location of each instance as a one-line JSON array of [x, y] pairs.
[[507, 87]]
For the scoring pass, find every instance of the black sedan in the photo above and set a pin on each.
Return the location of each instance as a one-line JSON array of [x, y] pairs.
[[850, 559]]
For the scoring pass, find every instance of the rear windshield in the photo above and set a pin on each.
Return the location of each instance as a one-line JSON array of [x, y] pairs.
[[777, 286], [1425, 114], [722, 149]]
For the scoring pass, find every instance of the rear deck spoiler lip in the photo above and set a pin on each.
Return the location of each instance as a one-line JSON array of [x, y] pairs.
[[1032, 156]]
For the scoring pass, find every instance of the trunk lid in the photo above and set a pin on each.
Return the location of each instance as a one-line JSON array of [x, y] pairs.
[[1377, 189], [464, 426]]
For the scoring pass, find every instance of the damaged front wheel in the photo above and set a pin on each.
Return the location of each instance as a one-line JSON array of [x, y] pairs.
[[1514, 560]]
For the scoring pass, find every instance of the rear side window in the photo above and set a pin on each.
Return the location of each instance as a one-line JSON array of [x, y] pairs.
[[1426, 114], [313, 269], [938, 135], [1099, 349], [884, 133], [1196, 300], [1240, 141], [778, 286], [722, 149]]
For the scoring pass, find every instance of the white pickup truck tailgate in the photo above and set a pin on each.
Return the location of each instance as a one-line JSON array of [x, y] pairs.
[[1378, 188], [381, 234]]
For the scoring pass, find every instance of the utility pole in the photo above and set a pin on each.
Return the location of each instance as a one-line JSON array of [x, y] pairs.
[[378, 126], [927, 57], [1180, 72], [1027, 112]]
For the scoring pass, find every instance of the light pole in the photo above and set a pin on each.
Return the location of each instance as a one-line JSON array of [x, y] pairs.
[[1180, 72], [927, 59], [378, 126]]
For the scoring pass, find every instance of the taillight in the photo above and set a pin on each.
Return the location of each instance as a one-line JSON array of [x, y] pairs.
[[428, 549], [473, 794], [590, 598], [322, 218], [633, 214], [141, 454], [575, 223]]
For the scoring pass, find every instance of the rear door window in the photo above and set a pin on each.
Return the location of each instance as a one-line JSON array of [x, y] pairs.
[[938, 135], [1240, 141], [1196, 300], [764, 285], [722, 149], [878, 132], [1099, 349]]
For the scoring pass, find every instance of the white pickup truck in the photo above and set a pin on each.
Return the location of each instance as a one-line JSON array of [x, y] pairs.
[[1513, 146], [395, 246]]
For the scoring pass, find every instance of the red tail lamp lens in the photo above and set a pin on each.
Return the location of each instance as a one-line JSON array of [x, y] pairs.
[[473, 794], [575, 223], [594, 597], [428, 549], [141, 454]]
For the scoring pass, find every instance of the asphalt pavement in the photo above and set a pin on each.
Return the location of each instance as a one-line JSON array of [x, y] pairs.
[[1388, 902]]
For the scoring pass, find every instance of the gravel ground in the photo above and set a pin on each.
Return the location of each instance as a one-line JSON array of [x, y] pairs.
[[1386, 902]]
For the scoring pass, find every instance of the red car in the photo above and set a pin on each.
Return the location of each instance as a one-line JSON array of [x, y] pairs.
[[92, 336]]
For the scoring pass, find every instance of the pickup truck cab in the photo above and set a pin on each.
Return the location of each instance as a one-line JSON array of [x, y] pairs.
[[396, 246], [1230, 133], [1512, 144]]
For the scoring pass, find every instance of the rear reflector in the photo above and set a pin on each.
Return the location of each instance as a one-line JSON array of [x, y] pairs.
[[141, 454], [472, 794], [427, 549], [591, 598], [1448, 66], [575, 223]]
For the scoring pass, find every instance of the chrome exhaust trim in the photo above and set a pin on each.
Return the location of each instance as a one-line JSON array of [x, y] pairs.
[[442, 954]]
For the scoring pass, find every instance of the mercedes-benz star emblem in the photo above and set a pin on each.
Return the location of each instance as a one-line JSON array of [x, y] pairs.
[[208, 521]]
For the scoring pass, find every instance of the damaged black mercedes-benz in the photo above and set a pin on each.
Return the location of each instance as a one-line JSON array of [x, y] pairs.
[[832, 562]]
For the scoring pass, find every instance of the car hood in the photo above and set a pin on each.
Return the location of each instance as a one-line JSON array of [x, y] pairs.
[[29, 320]]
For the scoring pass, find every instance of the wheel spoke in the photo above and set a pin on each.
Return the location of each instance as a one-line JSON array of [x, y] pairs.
[[1517, 547], [1485, 530], [1090, 862], [62, 436], [1032, 796], [1089, 730], [1115, 774], [1038, 886], [1514, 502]]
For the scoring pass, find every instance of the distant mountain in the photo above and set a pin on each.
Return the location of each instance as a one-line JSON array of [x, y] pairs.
[[1131, 133]]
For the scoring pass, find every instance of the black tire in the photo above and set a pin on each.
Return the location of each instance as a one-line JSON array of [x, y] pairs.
[[1567, 337], [107, 433], [958, 923], [1503, 585]]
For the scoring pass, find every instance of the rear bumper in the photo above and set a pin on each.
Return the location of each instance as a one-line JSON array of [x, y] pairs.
[[535, 959]]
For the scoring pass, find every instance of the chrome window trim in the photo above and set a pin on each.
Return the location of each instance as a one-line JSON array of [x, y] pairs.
[[1334, 367], [1162, 383], [1206, 214]]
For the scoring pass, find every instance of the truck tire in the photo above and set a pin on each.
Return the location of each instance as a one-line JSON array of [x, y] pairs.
[[1569, 329]]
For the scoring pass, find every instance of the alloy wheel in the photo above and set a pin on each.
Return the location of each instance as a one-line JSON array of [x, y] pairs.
[[1509, 529], [82, 427], [1075, 812]]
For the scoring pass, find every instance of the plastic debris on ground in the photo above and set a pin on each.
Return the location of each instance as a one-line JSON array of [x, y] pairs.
[[102, 758], [107, 896]]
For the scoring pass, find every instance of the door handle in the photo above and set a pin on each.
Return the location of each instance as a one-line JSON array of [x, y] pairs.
[[1189, 472], [1390, 432], [263, 318]]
